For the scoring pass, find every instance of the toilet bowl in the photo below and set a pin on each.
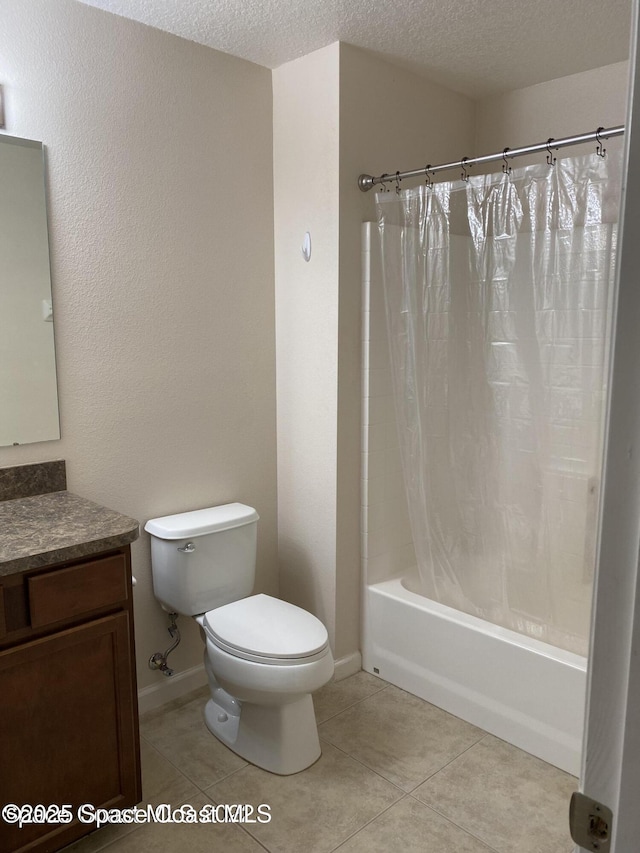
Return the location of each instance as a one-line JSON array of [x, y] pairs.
[[263, 657], [268, 656]]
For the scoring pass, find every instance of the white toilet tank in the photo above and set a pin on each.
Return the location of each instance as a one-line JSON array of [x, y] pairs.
[[203, 559]]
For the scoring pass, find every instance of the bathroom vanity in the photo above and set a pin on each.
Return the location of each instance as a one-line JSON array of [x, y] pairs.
[[68, 703]]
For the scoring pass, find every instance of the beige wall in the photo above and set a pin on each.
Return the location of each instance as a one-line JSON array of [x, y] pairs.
[[306, 162], [570, 105], [337, 112], [161, 211]]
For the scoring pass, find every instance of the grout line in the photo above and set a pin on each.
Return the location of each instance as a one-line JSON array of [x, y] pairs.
[[204, 791], [451, 761], [366, 766], [456, 824], [365, 825], [169, 761], [430, 776], [109, 844], [188, 778], [395, 785], [152, 746], [356, 702], [253, 838], [207, 791]]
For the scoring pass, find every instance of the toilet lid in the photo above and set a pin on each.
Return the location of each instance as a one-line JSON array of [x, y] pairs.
[[267, 628]]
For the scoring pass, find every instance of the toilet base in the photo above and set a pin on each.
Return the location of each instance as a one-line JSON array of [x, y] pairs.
[[282, 739]]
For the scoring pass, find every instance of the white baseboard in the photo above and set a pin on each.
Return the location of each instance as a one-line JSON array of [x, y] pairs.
[[171, 687], [347, 665], [175, 686]]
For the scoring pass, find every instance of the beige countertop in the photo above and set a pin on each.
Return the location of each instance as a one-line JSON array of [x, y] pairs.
[[45, 529]]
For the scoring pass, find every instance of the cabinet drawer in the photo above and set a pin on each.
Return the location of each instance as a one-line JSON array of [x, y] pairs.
[[69, 592]]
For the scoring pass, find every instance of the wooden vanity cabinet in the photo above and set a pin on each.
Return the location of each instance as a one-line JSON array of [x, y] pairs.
[[68, 702]]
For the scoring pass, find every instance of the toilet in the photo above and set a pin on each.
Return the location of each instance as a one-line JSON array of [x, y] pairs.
[[263, 657]]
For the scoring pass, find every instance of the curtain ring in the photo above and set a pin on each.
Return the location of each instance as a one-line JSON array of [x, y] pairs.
[[551, 160], [506, 168], [601, 151], [398, 179], [427, 177], [463, 166]]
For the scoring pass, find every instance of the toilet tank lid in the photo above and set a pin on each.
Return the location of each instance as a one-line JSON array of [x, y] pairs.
[[199, 522]]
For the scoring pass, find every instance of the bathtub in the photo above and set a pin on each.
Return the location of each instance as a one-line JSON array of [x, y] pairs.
[[524, 691]]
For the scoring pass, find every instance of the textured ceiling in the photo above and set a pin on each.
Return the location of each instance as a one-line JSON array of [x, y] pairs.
[[478, 47]]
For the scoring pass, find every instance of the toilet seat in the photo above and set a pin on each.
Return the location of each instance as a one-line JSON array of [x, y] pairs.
[[267, 630]]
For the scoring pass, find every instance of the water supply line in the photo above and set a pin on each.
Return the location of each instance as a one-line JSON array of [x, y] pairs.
[[159, 659]]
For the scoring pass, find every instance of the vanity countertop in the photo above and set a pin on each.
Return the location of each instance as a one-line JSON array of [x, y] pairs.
[[46, 529]]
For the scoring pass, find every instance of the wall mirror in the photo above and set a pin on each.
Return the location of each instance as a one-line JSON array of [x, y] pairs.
[[28, 388]]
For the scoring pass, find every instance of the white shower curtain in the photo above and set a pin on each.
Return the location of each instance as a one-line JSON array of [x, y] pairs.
[[498, 294]]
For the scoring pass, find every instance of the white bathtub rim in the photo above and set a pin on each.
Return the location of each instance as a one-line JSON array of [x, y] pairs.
[[396, 589]]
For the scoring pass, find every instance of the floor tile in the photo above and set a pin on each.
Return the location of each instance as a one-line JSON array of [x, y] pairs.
[[199, 837], [158, 774], [411, 827], [506, 797], [312, 811], [339, 695], [180, 735], [100, 839], [401, 737], [178, 791], [480, 795]]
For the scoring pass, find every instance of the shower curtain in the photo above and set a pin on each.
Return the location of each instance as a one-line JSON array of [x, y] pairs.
[[498, 294]]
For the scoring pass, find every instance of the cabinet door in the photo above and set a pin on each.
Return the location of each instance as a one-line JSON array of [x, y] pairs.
[[68, 727]]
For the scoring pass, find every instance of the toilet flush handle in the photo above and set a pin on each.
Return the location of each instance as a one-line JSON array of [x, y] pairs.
[[189, 548]]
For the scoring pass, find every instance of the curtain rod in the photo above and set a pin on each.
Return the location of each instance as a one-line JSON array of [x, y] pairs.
[[365, 182]]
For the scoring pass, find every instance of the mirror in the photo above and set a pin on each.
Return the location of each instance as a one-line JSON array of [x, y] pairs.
[[28, 389]]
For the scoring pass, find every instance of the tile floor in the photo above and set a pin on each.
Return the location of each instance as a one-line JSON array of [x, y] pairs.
[[396, 774]]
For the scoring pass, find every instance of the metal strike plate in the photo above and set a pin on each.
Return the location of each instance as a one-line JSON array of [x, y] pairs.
[[590, 823]]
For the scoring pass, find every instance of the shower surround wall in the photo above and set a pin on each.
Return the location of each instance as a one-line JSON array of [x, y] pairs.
[[459, 662]]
